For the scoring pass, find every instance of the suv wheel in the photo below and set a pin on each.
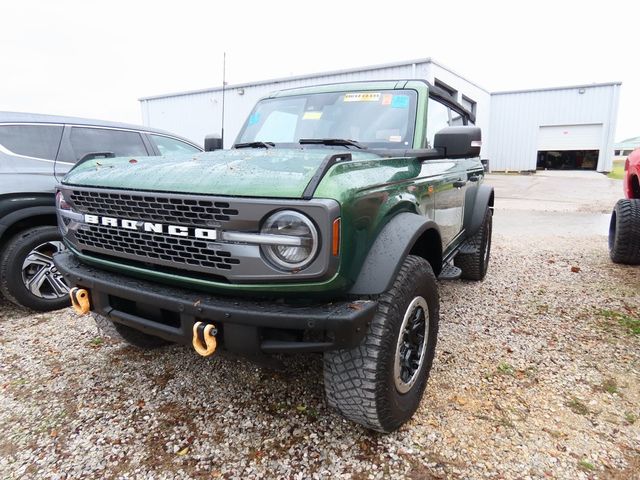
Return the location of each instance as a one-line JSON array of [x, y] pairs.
[[28, 276], [624, 232], [130, 335], [379, 384], [474, 265]]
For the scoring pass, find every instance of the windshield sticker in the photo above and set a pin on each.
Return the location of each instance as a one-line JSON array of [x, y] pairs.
[[395, 138], [254, 118], [400, 101], [362, 97], [386, 99], [312, 116]]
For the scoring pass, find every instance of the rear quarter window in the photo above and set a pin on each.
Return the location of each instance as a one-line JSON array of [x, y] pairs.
[[170, 145], [121, 143], [39, 141]]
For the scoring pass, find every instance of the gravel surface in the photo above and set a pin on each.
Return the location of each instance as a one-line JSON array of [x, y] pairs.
[[537, 375]]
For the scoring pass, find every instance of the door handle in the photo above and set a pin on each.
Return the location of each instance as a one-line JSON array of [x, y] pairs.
[[459, 184]]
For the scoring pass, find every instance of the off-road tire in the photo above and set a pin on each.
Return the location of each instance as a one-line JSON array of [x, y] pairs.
[[624, 232], [117, 331], [360, 382], [474, 265], [12, 257]]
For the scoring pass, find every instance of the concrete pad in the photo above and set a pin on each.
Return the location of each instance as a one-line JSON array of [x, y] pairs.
[[556, 191], [553, 204]]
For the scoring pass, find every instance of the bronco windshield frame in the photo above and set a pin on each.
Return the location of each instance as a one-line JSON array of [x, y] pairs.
[[384, 118]]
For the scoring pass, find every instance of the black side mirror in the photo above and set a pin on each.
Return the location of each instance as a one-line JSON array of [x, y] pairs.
[[458, 142], [212, 142]]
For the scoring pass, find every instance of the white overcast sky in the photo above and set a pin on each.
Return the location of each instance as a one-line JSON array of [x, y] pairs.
[[95, 59]]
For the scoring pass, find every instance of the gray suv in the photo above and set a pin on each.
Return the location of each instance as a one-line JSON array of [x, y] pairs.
[[35, 152]]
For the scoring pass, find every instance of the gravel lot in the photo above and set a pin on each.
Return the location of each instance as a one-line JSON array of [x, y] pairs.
[[537, 375]]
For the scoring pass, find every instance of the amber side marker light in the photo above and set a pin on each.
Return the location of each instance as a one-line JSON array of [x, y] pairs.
[[335, 248]]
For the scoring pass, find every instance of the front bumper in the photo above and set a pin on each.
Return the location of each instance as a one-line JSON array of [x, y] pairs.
[[247, 327]]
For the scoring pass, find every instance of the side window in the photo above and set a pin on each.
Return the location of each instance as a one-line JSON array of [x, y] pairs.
[[169, 145], [122, 143], [438, 117], [40, 141]]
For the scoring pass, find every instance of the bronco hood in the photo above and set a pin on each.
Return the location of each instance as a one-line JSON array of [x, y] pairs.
[[274, 172]]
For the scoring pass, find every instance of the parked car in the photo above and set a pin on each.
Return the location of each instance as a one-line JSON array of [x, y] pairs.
[[322, 230], [35, 152], [624, 229]]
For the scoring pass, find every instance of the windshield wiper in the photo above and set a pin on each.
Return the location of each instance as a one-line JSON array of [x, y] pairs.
[[255, 145], [332, 141]]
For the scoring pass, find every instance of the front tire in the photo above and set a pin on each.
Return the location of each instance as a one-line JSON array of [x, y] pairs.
[[28, 276], [624, 232], [379, 384]]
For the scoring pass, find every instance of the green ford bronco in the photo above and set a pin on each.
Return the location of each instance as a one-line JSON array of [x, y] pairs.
[[323, 229]]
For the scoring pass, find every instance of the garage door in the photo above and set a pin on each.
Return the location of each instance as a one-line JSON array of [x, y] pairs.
[[570, 137]]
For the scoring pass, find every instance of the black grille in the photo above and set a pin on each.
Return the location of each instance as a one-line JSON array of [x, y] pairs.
[[156, 208], [156, 248]]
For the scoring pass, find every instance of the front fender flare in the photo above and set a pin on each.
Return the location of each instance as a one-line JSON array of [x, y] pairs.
[[23, 214], [393, 244], [474, 216]]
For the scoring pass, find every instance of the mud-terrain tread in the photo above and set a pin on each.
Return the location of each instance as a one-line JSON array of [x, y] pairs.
[[624, 236], [10, 280], [117, 331], [472, 264], [354, 379]]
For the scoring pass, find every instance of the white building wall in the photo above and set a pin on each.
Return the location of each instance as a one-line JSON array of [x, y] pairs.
[[516, 118], [196, 114], [509, 120]]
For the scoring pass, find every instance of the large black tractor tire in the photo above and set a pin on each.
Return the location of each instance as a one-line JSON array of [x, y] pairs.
[[379, 384], [624, 232], [474, 265], [28, 276]]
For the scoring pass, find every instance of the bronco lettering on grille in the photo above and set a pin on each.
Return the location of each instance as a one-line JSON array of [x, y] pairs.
[[151, 227]]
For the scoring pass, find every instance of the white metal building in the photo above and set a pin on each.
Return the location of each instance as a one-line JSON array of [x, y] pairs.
[[515, 125], [565, 126]]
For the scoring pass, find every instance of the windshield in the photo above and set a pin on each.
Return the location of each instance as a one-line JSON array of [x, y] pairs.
[[380, 119]]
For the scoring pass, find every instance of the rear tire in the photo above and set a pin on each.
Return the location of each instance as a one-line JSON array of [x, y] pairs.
[[379, 384], [28, 276], [115, 330], [624, 232], [474, 265]]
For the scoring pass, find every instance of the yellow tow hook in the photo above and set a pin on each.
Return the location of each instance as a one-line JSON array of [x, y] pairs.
[[204, 338], [80, 300]]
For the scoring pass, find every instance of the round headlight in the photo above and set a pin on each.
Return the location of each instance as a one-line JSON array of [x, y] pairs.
[[298, 243]]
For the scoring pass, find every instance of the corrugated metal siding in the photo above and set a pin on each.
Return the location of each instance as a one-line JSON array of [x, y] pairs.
[[516, 117], [196, 115]]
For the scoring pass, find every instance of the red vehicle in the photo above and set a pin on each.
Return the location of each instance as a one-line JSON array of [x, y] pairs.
[[624, 229]]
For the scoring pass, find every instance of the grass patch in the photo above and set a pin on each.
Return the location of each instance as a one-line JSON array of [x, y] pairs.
[[505, 368], [630, 322], [577, 406], [610, 386], [630, 418], [96, 341], [618, 170], [586, 466]]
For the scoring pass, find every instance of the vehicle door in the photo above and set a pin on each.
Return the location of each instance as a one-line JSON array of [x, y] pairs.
[[27, 156], [80, 140], [450, 181]]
